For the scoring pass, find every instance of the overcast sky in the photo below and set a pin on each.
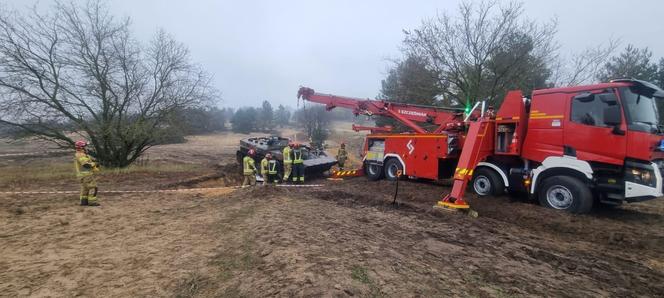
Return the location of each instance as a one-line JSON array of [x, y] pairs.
[[264, 50]]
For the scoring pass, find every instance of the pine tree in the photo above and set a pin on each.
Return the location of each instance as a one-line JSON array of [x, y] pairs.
[[632, 63]]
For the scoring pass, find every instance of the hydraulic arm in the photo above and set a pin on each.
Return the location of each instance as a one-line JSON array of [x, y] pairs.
[[408, 114]]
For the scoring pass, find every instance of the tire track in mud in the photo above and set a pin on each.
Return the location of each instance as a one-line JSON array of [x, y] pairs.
[[611, 267], [546, 252]]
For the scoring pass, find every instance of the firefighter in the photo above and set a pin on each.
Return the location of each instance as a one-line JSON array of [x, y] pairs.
[[288, 161], [272, 170], [249, 169], [265, 167], [298, 164], [86, 169], [342, 156]]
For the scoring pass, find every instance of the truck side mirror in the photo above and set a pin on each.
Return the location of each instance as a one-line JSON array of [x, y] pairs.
[[612, 117]]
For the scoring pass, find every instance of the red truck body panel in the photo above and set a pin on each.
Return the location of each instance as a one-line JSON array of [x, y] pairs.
[[418, 152], [544, 136]]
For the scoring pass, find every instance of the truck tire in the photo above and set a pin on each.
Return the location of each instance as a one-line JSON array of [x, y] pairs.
[[373, 171], [565, 193], [391, 167], [486, 182]]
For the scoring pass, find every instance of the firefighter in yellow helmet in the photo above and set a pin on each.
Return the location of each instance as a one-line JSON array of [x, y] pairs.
[[288, 161], [298, 164], [86, 169], [249, 168], [342, 156]]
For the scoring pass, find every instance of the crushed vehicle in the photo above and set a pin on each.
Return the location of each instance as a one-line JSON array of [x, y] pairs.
[[315, 161]]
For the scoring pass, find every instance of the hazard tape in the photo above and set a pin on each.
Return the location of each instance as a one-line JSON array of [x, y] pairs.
[[299, 185], [346, 173], [34, 153], [117, 191], [150, 191]]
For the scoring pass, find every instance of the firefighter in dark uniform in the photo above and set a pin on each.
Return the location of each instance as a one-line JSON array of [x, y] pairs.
[[342, 156], [272, 176], [298, 164]]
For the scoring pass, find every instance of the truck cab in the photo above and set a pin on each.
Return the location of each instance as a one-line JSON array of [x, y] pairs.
[[606, 136]]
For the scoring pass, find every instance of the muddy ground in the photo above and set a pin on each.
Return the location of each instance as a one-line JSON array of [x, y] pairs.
[[343, 239]]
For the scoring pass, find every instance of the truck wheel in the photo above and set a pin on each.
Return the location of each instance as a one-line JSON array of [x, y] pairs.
[[487, 182], [391, 167], [373, 171], [565, 193]]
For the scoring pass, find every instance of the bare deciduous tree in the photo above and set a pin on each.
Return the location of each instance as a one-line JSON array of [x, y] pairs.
[[582, 67], [316, 123], [484, 50], [80, 67]]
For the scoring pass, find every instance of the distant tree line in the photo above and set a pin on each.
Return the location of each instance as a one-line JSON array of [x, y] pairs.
[[193, 121], [260, 119], [314, 120]]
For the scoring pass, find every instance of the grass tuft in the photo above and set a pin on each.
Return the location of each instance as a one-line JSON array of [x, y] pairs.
[[190, 286], [359, 273]]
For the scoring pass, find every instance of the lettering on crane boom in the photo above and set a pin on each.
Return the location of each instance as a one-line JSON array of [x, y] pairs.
[[412, 113]]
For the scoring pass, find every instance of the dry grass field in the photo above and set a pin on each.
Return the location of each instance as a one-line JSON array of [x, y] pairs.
[[345, 238]]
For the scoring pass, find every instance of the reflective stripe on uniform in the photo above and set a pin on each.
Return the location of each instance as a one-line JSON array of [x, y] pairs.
[[272, 166], [297, 156]]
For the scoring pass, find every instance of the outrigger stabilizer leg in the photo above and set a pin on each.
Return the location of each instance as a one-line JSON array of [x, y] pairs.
[[450, 203], [477, 146], [454, 200]]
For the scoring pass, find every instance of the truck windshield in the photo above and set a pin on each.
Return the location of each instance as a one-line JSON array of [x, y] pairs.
[[641, 110]]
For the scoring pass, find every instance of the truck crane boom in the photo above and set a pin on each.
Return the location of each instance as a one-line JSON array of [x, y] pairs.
[[408, 114]]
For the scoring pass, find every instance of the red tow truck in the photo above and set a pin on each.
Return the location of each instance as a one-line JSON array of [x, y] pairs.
[[570, 148]]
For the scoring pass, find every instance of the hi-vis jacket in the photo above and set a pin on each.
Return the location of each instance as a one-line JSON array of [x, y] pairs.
[[287, 155], [248, 165], [264, 164], [84, 164]]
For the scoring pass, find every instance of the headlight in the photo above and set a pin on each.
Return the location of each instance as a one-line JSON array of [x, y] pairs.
[[640, 173]]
